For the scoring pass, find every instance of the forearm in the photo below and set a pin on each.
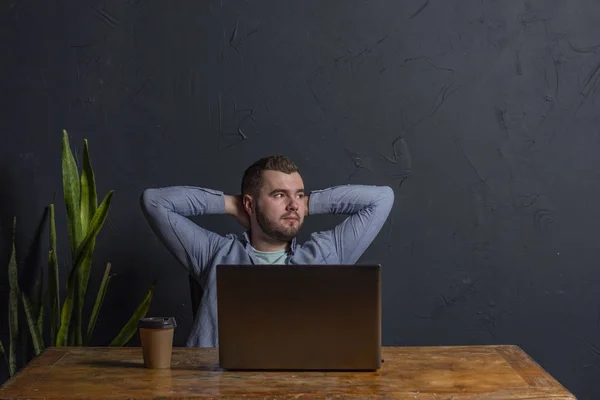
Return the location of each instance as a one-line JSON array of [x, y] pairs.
[[183, 200], [367, 208], [167, 211], [349, 199]]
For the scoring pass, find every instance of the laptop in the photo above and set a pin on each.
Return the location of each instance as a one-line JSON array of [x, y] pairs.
[[299, 317]]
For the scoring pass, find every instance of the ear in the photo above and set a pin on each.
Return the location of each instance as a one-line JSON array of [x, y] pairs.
[[248, 203]]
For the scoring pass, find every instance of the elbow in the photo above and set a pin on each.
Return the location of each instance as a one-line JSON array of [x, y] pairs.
[[387, 198], [387, 194], [148, 199]]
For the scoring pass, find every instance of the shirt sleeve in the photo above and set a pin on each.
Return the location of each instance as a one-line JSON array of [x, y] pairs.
[[167, 211], [368, 208]]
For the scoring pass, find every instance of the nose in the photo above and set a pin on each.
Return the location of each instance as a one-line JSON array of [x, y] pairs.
[[293, 204]]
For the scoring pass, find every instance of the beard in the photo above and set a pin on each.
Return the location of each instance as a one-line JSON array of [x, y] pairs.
[[275, 231]]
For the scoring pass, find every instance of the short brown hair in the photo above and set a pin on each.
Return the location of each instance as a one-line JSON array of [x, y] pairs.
[[253, 179]]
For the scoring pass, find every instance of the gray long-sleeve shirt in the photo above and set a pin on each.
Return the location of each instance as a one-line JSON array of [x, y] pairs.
[[200, 250]]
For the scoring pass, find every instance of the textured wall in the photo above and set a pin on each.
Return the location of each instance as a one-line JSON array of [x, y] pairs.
[[482, 115]]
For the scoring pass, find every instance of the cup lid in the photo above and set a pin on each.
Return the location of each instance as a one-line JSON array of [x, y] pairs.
[[157, 323]]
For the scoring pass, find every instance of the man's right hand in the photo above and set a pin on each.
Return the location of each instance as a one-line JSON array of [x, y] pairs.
[[234, 207]]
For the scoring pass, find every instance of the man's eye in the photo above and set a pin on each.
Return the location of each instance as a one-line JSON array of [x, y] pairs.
[[277, 195], [300, 195]]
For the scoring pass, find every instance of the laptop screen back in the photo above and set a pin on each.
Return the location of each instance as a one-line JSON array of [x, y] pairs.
[[299, 317]]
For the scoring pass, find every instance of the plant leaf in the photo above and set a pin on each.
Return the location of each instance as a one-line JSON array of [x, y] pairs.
[[36, 337], [3, 353], [72, 337], [96, 224], [13, 305], [131, 326], [88, 207], [98, 304], [40, 322], [89, 197], [82, 285], [37, 309], [84, 256], [72, 332], [67, 308], [37, 292], [72, 284], [53, 281], [72, 193]]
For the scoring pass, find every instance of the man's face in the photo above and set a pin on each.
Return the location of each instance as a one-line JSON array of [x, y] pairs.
[[280, 206]]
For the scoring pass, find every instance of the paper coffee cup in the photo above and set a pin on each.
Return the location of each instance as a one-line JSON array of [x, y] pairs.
[[156, 334]]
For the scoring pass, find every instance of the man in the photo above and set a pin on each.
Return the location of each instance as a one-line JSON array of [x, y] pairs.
[[272, 207]]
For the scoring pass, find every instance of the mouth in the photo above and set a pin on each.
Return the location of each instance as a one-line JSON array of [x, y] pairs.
[[290, 218]]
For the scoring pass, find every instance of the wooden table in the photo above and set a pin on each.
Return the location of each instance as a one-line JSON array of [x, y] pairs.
[[415, 373]]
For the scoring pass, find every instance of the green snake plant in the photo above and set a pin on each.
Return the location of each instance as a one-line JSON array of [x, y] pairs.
[[64, 324]]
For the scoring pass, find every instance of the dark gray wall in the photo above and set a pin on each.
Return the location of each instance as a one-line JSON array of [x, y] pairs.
[[482, 115]]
